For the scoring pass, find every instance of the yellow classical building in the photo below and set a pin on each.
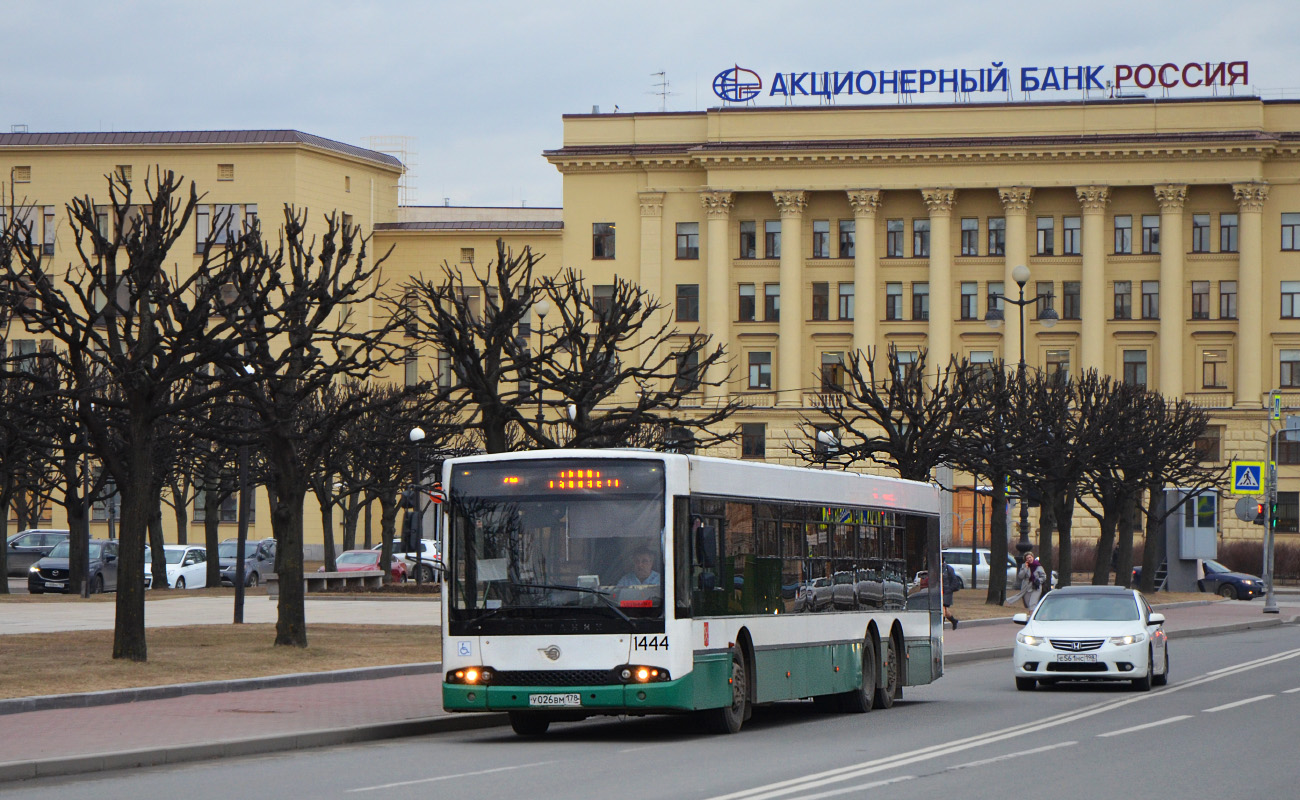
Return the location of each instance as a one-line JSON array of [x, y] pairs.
[[1164, 234]]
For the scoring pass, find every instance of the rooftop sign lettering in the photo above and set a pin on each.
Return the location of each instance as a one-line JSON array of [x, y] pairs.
[[736, 84]]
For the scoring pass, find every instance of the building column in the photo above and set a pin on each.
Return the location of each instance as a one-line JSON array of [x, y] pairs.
[[865, 202], [790, 376], [1251, 353], [1092, 291], [717, 290], [1015, 204], [652, 264], [1171, 197], [939, 343]]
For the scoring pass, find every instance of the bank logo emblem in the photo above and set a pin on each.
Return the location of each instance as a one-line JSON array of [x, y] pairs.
[[737, 84], [551, 651]]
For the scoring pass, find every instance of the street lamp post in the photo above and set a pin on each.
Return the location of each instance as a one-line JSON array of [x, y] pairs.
[[238, 578], [1048, 318], [542, 307], [417, 436], [830, 442]]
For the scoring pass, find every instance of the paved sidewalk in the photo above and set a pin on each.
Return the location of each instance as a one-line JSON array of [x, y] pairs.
[[67, 741]]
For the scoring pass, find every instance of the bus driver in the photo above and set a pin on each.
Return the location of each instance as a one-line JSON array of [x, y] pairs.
[[642, 572]]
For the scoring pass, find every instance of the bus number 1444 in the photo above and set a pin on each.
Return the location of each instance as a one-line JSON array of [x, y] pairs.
[[650, 642]]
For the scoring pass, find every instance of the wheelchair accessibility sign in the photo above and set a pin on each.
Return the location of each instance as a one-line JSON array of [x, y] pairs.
[[1248, 477]]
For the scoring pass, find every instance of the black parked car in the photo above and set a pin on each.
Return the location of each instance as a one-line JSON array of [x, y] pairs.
[[259, 560], [50, 574], [27, 547]]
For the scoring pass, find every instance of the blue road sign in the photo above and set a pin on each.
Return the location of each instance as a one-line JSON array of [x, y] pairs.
[[1247, 477]]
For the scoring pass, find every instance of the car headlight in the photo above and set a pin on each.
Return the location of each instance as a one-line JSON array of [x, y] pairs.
[[1032, 641], [34, 568], [1132, 638]]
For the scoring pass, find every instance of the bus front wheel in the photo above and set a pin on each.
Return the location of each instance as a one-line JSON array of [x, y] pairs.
[[728, 719], [527, 723]]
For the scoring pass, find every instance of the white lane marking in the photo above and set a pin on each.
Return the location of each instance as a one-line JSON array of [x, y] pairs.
[[857, 788], [793, 785], [1009, 756], [1227, 706], [1292, 691], [449, 777], [1144, 727]]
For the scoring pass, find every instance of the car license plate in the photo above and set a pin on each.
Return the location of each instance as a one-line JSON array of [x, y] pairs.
[[1088, 657], [555, 699], [53, 584]]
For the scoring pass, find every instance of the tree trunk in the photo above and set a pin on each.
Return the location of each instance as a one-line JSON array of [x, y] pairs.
[[1064, 523], [156, 543], [1155, 539], [327, 531], [387, 527], [212, 534], [1105, 544], [181, 508], [4, 529], [128, 632], [288, 493], [1046, 526], [74, 505], [1128, 511], [997, 593], [351, 510], [369, 523]]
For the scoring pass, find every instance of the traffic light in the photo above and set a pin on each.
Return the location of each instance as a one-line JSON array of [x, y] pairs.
[[1259, 513]]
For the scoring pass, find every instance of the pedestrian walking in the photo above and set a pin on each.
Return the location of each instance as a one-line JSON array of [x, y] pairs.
[[949, 586], [1031, 578]]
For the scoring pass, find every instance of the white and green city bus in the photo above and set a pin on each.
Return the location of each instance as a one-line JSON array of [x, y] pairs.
[[629, 582]]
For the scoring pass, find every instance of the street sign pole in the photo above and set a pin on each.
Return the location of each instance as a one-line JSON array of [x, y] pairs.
[[1270, 500]]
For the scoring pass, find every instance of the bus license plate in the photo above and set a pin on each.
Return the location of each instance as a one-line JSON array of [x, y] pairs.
[[555, 699], [1086, 657]]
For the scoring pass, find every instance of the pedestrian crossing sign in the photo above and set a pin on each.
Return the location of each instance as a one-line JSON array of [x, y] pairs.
[[1247, 477]]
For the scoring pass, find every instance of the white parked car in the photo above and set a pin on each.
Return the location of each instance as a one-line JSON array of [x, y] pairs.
[[960, 559], [1105, 633], [187, 567]]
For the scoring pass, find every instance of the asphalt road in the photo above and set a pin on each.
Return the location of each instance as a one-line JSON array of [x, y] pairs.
[[1224, 727]]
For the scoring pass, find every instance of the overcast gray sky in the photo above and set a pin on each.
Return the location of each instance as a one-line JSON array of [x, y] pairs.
[[482, 86]]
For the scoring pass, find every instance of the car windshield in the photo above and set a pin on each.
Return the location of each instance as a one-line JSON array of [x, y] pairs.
[[360, 557], [174, 556], [227, 550], [1213, 566], [64, 549], [1058, 607]]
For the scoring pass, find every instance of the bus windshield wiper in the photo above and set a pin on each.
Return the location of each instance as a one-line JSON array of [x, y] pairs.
[[602, 594]]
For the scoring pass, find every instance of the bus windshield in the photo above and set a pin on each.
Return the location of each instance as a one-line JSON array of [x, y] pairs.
[[556, 541]]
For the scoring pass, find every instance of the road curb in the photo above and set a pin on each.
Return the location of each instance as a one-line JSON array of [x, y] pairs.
[[159, 756], [20, 705]]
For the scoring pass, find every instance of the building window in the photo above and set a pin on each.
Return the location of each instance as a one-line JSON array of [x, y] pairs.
[[832, 371], [760, 370], [1200, 299], [1208, 445], [771, 302], [444, 371], [688, 302], [920, 301], [748, 239], [1214, 369], [1290, 299], [1290, 368], [920, 238], [1046, 293], [345, 221], [970, 236], [51, 227], [1072, 237], [1288, 448], [893, 301], [1123, 299], [202, 224], [982, 361], [997, 236], [821, 300], [894, 238], [747, 307], [602, 300], [906, 359], [412, 368], [1288, 512], [821, 238], [1135, 367], [995, 293], [123, 172], [467, 255], [772, 238], [1150, 299], [1058, 361], [1123, 235], [347, 183], [1200, 233], [21, 174], [225, 172], [1227, 233], [688, 372], [688, 241], [1291, 231], [1046, 234], [1150, 233], [848, 238], [602, 240], [1070, 303], [1227, 299], [970, 300], [753, 440], [846, 301]]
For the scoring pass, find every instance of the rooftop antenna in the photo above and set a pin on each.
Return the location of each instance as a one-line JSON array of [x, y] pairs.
[[661, 89]]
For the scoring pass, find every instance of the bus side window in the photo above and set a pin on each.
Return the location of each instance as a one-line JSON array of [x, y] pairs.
[[706, 554]]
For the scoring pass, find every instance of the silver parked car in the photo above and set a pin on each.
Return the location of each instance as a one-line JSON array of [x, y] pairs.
[[27, 547]]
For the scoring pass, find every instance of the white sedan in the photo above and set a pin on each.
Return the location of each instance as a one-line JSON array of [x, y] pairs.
[[187, 567], [1105, 633]]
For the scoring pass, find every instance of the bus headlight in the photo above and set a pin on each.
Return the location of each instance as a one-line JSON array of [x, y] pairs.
[[639, 673], [470, 675]]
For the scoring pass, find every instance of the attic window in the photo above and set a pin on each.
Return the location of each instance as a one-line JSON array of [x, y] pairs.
[[123, 171], [22, 174], [225, 172], [347, 183]]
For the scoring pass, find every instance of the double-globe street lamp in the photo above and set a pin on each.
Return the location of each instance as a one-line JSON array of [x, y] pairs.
[[1047, 318], [417, 436], [542, 307]]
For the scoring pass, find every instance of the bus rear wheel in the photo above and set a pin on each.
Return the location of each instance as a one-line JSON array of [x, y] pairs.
[[728, 719], [527, 723], [892, 676], [862, 699]]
